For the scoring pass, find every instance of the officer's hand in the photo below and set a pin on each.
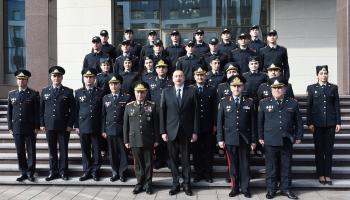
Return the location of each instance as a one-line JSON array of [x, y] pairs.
[[11, 132], [42, 128], [194, 137], [312, 128], [297, 141], [337, 128], [77, 131], [69, 129], [155, 144], [221, 145], [165, 137], [252, 146], [104, 135], [261, 142], [127, 145]]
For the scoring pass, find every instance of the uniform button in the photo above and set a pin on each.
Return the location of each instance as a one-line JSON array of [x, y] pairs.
[[325, 101], [324, 107], [280, 116], [202, 116], [201, 105], [237, 123], [20, 114], [237, 111], [20, 119], [280, 122], [201, 110], [140, 126], [54, 104], [237, 129], [280, 111], [324, 112], [20, 103], [280, 128], [53, 115], [140, 120], [54, 110]]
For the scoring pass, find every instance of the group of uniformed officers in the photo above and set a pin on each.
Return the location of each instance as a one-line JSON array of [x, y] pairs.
[[164, 104]]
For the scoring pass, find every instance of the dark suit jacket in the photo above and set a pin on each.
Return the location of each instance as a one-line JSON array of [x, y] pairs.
[[23, 113], [174, 118], [323, 108], [57, 111]]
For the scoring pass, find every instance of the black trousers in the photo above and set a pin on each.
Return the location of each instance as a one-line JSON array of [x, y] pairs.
[[58, 165], [239, 169], [203, 154], [90, 147], [143, 165], [324, 143], [180, 145], [25, 144], [161, 154], [118, 157], [278, 157]]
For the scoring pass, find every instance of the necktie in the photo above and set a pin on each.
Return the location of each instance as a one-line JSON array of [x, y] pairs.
[[324, 89], [140, 107], [279, 103], [200, 89], [55, 92], [178, 97], [115, 97], [237, 102], [21, 94]]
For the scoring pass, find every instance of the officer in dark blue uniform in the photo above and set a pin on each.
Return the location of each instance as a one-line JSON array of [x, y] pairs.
[[103, 77], [280, 126], [129, 76], [255, 43], [264, 89], [226, 46], [148, 70], [119, 62], [203, 149], [147, 49], [323, 119], [189, 62], [215, 76], [160, 54], [214, 52], [57, 115], [201, 47], [135, 47], [236, 132], [176, 49], [113, 107], [224, 88], [92, 60], [274, 54], [240, 56], [88, 100], [23, 123], [107, 48]]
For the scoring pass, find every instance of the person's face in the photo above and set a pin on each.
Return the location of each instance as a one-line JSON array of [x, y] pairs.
[[149, 64], [22, 83], [242, 42], [104, 39], [254, 32], [140, 95], [322, 76], [175, 38], [127, 65], [161, 71], [56, 79], [278, 92], [200, 78], [105, 67], [178, 78], [199, 37], [236, 89], [89, 80], [214, 47], [157, 49], [189, 49], [128, 36], [125, 48], [230, 73], [115, 87], [253, 65], [96, 45], [215, 65], [152, 37], [272, 39], [226, 36], [273, 73]]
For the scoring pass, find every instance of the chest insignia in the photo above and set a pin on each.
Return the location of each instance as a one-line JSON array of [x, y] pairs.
[[226, 92], [13, 100], [228, 108], [82, 98], [107, 103], [46, 96]]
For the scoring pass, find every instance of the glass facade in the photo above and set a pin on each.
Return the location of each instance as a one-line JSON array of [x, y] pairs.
[[187, 15], [14, 35]]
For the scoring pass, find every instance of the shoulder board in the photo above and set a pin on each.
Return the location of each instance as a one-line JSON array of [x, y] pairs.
[[151, 102], [126, 94], [12, 90], [130, 103]]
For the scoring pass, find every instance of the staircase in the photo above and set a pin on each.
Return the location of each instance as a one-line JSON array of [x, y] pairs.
[[303, 168]]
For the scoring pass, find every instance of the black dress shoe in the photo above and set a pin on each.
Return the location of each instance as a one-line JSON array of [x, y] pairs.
[[96, 177], [22, 178], [85, 177], [114, 178], [233, 193], [323, 182], [123, 179], [247, 194], [270, 195], [174, 190], [209, 180], [228, 180], [31, 178], [64, 177], [52, 177], [137, 189], [329, 182], [188, 191], [196, 179], [149, 190], [289, 194]]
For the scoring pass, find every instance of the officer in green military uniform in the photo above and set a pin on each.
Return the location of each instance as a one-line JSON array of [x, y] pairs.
[[141, 134]]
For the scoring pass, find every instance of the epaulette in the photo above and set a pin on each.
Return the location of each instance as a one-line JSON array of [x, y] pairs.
[[151, 102], [130, 103], [126, 94]]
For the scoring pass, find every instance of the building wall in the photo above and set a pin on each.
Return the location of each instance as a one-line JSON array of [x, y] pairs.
[[77, 22], [308, 29]]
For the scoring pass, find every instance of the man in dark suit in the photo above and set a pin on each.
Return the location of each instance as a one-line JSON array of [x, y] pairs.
[[179, 126], [113, 107], [236, 132], [240, 56], [23, 123], [141, 134], [280, 126], [57, 118], [88, 100]]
